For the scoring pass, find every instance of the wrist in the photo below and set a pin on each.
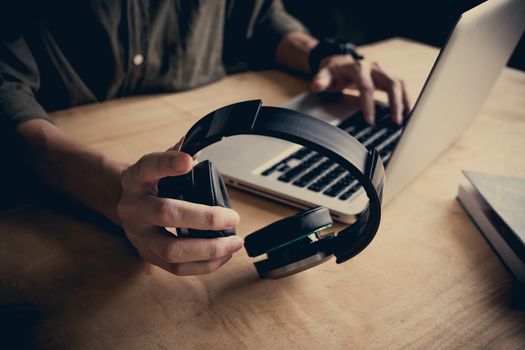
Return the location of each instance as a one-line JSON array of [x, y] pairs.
[[328, 49], [337, 59], [294, 49], [112, 172]]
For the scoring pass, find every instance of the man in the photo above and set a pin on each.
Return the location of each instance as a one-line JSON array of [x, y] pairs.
[[57, 54]]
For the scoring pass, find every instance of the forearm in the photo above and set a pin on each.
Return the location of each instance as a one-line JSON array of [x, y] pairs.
[[84, 174], [293, 51]]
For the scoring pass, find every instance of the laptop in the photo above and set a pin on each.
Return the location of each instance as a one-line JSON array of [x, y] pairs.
[[475, 53]]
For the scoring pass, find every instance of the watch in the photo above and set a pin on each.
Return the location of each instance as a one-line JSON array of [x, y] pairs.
[[330, 47]]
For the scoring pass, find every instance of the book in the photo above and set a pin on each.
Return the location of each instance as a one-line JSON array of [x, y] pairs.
[[496, 205]]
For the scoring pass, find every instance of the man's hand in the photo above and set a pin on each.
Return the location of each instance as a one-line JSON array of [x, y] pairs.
[[342, 71], [144, 215]]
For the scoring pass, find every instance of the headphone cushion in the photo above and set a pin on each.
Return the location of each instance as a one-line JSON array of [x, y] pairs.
[[295, 257], [208, 189], [287, 230]]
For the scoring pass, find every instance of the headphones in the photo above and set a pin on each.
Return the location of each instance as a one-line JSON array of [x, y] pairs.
[[292, 244]]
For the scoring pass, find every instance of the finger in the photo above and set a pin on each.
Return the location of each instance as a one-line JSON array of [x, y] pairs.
[[398, 97], [152, 167], [395, 99], [176, 250], [185, 269], [394, 89], [365, 85], [407, 105], [322, 80], [169, 212], [198, 267]]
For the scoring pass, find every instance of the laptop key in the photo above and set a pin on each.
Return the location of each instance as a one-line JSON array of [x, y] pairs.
[[325, 164], [338, 187], [302, 153], [313, 159], [306, 178], [391, 139], [291, 173], [386, 158], [384, 152], [364, 133], [282, 167], [268, 171], [348, 179], [325, 180], [320, 184], [350, 191], [337, 171], [375, 139], [312, 174]]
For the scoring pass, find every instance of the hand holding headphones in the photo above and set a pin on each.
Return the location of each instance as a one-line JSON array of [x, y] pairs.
[[292, 244]]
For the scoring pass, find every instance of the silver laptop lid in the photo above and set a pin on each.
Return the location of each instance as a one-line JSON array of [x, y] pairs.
[[475, 53]]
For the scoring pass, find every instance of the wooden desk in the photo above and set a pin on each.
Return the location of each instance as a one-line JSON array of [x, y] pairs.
[[428, 280]]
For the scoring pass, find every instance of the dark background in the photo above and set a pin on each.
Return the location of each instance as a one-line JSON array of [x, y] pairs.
[[365, 21]]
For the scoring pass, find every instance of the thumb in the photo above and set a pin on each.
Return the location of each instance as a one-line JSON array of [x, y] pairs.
[[322, 80], [178, 146]]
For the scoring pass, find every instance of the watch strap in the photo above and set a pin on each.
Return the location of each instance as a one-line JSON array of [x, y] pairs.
[[331, 47]]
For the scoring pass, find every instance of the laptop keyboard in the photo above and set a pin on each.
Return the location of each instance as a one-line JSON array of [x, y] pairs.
[[310, 170]]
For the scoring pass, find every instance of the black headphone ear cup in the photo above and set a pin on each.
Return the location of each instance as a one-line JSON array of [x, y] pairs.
[[202, 190], [208, 189], [223, 199], [295, 257], [289, 246], [286, 231]]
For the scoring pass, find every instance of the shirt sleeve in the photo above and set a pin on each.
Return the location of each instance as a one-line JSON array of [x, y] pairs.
[[19, 81], [263, 30]]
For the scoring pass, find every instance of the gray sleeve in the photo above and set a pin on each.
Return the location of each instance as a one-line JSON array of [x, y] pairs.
[[19, 81], [255, 28], [273, 23]]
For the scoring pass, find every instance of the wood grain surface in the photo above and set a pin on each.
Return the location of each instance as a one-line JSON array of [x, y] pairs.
[[429, 280]]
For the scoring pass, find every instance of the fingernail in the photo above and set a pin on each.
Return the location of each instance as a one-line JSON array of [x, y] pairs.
[[182, 161], [232, 218], [236, 243]]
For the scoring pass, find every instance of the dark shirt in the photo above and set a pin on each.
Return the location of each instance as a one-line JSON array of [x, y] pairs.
[[59, 53]]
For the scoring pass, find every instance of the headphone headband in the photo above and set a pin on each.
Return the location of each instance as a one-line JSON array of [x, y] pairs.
[[251, 118]]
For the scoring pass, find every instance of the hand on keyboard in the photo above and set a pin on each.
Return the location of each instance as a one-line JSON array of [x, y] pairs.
[[339, 72], [306, 168]]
